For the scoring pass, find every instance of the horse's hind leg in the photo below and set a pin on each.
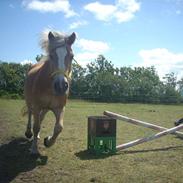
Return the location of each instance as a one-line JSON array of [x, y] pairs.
[[28, 132], [50, 140]]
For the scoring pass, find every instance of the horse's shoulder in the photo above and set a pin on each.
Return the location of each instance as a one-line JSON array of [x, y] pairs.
[[36, 67]]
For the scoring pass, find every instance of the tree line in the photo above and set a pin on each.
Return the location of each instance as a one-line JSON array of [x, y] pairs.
[[101, 81]]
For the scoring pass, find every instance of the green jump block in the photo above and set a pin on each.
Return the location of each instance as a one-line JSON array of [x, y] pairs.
[[101, 135]]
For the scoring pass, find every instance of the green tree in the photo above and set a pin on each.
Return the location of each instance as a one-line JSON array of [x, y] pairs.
[[78, 83], [12, 77], [180, 88], [170, 94]]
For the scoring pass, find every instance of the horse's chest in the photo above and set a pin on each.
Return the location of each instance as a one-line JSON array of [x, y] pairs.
[[51, 102]]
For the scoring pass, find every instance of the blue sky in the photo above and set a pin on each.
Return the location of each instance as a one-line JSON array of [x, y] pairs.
[[127, 32]]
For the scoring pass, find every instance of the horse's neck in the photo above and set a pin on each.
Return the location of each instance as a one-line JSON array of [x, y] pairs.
[[47, 68]]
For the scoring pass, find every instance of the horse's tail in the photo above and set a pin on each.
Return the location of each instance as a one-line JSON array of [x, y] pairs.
[[24, 111]]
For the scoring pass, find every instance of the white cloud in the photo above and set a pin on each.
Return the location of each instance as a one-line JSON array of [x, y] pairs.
[[101, 11], [26, 61], [77, 24], [93, 46], [85, 57], [123, 16], [53, 6], [90, 49], [164, 61], [122, 10]]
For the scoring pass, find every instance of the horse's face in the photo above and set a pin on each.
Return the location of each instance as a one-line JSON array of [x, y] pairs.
[[63, 55]]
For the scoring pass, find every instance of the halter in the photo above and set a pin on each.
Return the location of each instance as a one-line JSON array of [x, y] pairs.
[[61, 71]]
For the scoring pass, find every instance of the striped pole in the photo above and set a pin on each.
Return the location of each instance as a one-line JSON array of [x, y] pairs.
[[147, 139], [140, 123]]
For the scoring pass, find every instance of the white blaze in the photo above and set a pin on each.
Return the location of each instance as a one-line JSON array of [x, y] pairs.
[[61, 53]]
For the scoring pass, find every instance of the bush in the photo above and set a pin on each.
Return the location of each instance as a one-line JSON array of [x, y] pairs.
[[14, 96], [6, 95]]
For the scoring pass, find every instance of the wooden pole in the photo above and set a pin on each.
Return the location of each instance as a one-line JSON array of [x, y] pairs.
[[140, 123], [146, 139]]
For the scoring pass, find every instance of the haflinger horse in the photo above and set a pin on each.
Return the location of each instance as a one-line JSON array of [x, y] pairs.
[[47, 85]]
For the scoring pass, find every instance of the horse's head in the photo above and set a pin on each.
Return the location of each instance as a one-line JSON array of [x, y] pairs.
[[61, 56]]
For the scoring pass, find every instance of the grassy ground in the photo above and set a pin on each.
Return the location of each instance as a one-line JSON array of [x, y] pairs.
[[159, 161]]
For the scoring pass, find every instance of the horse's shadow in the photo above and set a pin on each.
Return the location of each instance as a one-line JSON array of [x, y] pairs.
[[15, 158]]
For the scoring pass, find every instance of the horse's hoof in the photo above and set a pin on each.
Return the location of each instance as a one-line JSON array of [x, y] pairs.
[[28, 134], [46, 142]]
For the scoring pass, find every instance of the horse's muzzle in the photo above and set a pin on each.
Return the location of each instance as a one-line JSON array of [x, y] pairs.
[[60, 86]]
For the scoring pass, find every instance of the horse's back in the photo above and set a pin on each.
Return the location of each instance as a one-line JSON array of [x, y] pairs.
[[35, 68], [30, 81]]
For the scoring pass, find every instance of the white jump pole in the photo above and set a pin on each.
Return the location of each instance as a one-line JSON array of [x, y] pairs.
[[146, 139], [140, 123]]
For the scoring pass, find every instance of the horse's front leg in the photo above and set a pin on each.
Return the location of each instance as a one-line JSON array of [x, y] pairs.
[[59, 115], [41, 118], [36, 129], [28, 132]]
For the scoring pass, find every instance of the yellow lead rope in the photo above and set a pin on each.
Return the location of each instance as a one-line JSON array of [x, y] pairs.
[[76, 62], [60, 71]]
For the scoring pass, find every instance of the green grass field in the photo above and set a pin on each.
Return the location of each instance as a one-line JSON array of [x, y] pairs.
[[159, 161]]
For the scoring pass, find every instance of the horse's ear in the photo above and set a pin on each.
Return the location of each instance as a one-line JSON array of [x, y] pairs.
[[51, 36], [71, 38]]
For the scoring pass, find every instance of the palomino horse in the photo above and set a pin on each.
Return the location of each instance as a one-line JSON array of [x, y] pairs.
[[47, 85]]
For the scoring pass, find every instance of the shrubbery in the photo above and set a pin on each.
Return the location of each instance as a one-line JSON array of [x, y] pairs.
[[101, 81]]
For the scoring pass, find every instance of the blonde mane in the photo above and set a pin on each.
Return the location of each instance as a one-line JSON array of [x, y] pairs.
[[44, 41]]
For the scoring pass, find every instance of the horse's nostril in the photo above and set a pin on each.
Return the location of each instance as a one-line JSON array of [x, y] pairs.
[[60, 87]]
